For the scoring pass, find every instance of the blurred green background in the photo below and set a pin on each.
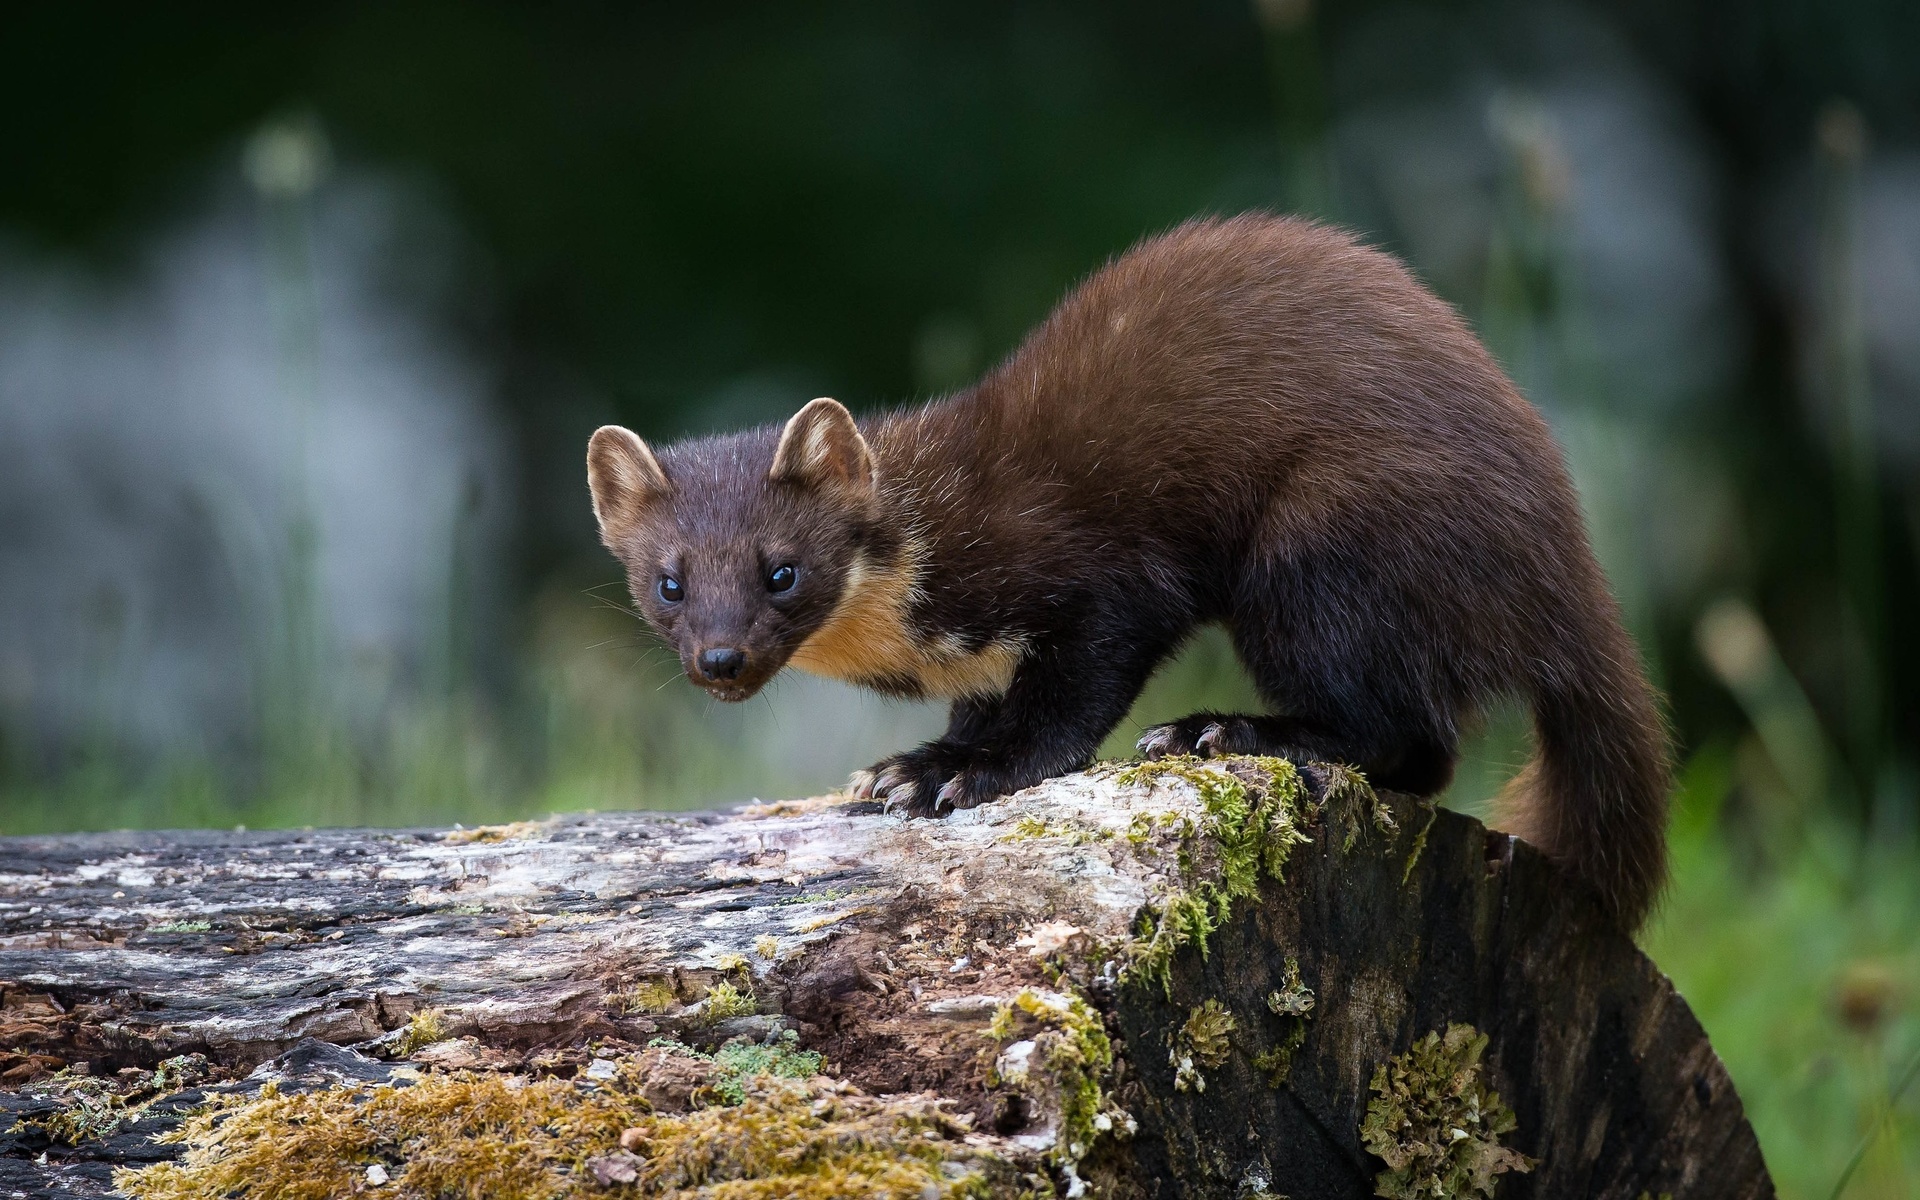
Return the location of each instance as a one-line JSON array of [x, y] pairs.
[[305, 316]]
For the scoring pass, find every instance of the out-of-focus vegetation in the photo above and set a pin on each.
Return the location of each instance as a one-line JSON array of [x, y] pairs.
[[305, 316], [1805, 974]]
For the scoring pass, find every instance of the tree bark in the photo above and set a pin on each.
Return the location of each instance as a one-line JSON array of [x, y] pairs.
[[1246, 1067]]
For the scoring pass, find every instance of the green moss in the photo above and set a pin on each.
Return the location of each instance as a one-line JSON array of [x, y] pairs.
[[1419, 844], [1201, 1045], [1030, 826], [1075, 1056], [724, 1000], [1182, 918], [739, 1063], [182, 1070], [1293, 998], [1435, 1124], [1246, 835], [815, 924], [425, 1027], [1276, 1061], [462, 1134], [826, 897], [1293, 1004], [1353, 803], [88, 1106], [1004, 1025], [651, 996], [511, 831]]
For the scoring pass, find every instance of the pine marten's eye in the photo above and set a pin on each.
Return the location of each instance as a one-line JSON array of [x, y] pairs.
[[670, 589], [782, 579]]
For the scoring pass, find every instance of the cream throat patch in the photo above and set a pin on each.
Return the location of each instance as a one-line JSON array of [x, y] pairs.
[[869, 636]]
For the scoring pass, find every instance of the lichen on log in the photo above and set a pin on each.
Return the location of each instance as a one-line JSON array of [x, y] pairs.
[[1183, 980]]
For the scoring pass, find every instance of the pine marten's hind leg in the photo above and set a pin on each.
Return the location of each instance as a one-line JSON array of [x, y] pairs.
[[1217, 735], [1308, 634], [1395, 759], [1422, 767]]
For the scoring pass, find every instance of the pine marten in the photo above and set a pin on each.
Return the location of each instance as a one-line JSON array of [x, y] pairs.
[[1256, 421]]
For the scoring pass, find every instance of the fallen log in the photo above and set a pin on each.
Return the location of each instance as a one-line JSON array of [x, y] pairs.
[[1226, 979]]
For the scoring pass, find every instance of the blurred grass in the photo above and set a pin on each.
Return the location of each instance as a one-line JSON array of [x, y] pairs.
[[1802, 961], [598, 719]]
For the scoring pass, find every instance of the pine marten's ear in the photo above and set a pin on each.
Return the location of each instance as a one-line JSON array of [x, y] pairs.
[[821, 445], [625, 478]]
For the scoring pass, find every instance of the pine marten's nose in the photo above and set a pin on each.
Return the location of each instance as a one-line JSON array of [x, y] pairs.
[[722, 665]]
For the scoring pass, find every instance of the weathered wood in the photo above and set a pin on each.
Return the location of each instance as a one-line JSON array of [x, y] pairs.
[[890, 945]]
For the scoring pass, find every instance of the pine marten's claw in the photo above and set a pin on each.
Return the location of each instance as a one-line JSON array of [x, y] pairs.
[[860, 784], [893, 784], [1155, 743], [950, 794], [1211, 741]]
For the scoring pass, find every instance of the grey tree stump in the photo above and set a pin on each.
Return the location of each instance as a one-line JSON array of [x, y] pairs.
[[891, 945]]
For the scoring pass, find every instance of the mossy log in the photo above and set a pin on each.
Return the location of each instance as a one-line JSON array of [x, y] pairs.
[[1199, 980]]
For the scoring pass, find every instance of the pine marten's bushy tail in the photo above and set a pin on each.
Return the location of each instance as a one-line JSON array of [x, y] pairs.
[[1594, 798]]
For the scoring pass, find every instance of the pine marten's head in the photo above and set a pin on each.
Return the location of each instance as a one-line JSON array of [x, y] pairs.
[[734, 554]]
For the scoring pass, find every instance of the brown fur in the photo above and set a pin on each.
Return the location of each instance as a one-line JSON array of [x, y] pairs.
[[1257, 422]]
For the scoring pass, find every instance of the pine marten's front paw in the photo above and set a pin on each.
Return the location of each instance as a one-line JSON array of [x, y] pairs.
[[926, 782]]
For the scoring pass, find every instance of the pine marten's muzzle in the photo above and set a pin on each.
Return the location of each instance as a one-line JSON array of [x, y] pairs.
[[721, 665], [730, 673]]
